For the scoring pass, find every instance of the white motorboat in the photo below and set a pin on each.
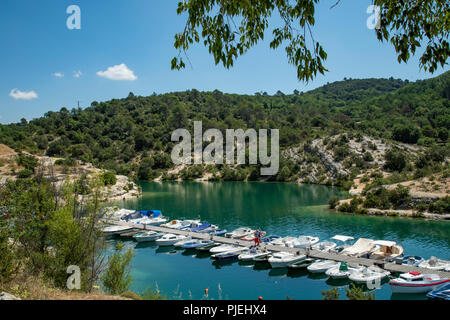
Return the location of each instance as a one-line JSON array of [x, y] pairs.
[[302, 242], [412, 260], [369, 275], [415, 282], [180, 243], [281, 241], [225, 248], [169, 239], [147, 236], [115, 214], [283, 259], [342, 242], [386, 250], [153, 221], [252, 253], [324, 246], [115, 230], [361, 247], [239, 233], [342, 271], [321, 266], [177, 224], [435, 264]]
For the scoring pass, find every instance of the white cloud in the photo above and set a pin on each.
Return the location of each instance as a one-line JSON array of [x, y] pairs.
[[58, 74], [23, 95], [118, 72], [77, 74]]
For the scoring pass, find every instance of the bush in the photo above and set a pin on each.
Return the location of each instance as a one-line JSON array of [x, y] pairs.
[[395, 160], [108, 178], [406, 133], [117, 278], [25, 173], [332, 203]]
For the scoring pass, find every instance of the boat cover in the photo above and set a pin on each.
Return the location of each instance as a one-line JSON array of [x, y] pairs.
[[153, 213], [201, 227], [361, 246]]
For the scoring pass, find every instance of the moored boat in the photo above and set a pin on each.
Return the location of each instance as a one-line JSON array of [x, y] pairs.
[[196, 244], [181, 242], [416, 282], [386, 250], [303, 264], [361, 247], [412, 260], [342, 271], [250, 254], [440, 293], [324, 246], [147, 236], [283, 259], [225, 248], [116, 230], [239, 233], [435, 264], [321, 266], [228, 255], [369, 275], [169, 239]]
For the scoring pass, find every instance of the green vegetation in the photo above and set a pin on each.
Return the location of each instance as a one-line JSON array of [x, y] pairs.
[[229, 29], [353, 293], [131, 136], [116, 278]]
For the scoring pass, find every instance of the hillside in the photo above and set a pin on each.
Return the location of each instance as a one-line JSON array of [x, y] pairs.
[[333, 135]]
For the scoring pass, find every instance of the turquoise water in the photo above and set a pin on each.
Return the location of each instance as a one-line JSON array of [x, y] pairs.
[[279, 208]]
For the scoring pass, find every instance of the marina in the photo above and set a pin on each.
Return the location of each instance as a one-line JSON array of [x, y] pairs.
[[302, 212]]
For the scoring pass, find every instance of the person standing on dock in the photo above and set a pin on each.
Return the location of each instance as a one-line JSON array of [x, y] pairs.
[[257, 237]]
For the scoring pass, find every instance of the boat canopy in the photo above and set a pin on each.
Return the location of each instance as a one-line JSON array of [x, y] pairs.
[[385, 243], [342, 238]]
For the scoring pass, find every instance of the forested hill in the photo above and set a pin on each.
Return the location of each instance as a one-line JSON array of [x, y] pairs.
[[119, 133]]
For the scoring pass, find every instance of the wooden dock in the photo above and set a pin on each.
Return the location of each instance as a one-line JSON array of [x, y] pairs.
[[391, 267]]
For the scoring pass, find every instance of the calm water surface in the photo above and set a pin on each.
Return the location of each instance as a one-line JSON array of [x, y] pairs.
[[279, 208]]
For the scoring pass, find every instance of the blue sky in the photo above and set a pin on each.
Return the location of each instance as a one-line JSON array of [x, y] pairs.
[[36, 44]]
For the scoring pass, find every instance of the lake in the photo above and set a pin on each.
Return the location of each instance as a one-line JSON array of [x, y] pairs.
[[285, 209]]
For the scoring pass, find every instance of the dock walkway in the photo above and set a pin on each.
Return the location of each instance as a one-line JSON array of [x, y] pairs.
[[392, 267]]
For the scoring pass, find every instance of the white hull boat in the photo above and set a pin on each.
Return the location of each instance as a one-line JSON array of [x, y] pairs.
[[115, 230], [321, 266], [225, 248], [180, 243], [435, 264], [415, 282], [386, 250], [169, 239], [147, 236], [369, 275], [361, 247], [239, 233], [177, 224], [250, 254], [283, 259], [342, 271], [324, 246]]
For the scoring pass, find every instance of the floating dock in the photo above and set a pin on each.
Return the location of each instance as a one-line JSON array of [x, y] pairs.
[[391, 267]]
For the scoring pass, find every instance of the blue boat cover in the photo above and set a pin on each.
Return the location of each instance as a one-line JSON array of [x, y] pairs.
[[153, 213], [440, 293], [202, 227]]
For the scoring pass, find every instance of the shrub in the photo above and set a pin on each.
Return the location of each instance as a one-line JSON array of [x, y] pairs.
[[25, 173], [333, 202], [117, 278], [108, 178], [395, 160]]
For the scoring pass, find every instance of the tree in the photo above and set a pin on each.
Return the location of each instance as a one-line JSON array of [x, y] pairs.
[[395, 160], [404, 24], [117, 278], [406, 133]]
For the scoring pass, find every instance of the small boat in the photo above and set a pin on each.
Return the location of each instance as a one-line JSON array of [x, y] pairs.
[[435, 264], [114, 230], [412, 260], [249, 237], [440, 293], [196, 244], [225, 248], [342, 242], [252, 253], [218, 232], [283, 259], [386, 250], [416, 282], [181, 242], [229, 255], [303, 264], [270, 239], [302, 242], [147, 236], [321, 266], [208, 247], [263, 258], [361, 247], [324, 246], [342, 271], [178, 224], [204, 226], [368, 275], [239, 233], [169, 239]]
